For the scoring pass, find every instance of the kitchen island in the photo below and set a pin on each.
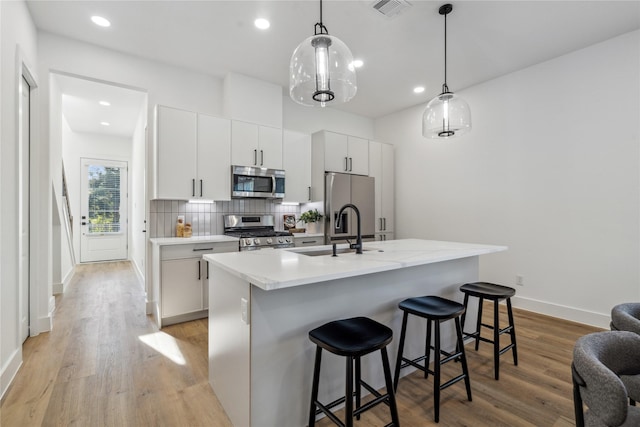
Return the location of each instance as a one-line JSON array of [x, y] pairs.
[[262, 304]]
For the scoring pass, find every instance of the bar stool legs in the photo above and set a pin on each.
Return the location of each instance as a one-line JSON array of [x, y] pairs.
[[352, 338], [495, 293], [436, 310]]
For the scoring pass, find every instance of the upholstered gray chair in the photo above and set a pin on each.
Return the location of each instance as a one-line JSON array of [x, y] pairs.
[[598, 361], [626, 317]]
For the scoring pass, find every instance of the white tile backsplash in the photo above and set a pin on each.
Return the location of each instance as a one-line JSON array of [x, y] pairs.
[[207, 218]]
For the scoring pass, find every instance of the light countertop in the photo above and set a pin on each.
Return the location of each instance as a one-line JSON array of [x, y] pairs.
[[273, 269], [191, 240]]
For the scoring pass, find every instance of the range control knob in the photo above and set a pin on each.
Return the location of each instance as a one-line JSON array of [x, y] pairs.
[[280, 240], [247, 242], [269, 240], [288, 239], [256, 241]]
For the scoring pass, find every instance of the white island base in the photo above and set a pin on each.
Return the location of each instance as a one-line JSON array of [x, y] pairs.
[[262, 305]]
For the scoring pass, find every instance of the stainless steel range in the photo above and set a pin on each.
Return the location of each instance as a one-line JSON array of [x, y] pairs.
[[256, 232]]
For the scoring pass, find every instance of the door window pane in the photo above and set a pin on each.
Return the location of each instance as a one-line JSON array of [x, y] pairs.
[[104, 199]]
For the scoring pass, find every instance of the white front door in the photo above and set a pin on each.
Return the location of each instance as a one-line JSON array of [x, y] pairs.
[[103, 211], [23, 206]]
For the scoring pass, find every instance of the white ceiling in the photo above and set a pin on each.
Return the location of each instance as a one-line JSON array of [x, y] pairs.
[[486, 39], [81, 106]]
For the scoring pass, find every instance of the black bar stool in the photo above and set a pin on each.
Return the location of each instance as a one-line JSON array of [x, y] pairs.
[[495, 293], [436, 309], [352, 338]]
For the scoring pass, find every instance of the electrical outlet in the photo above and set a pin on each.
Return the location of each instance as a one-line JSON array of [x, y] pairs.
[[519, 280]]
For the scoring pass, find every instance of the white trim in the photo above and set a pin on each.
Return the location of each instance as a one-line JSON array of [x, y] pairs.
[[138, 272], [9, 371], [45, 323], [563, 312], [60, 288], [24, 69]]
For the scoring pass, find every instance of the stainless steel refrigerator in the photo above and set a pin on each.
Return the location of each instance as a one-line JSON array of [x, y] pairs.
[[340, 189]]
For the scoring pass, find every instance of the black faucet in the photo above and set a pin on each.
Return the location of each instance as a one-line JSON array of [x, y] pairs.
[[358, 245]]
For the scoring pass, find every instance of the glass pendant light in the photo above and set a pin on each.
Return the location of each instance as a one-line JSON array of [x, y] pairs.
[[447, 114], [321, 70]]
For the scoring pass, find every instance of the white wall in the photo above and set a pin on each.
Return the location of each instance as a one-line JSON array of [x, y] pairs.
[[551, 169], [17, 44], [312, 119], [75, 146]]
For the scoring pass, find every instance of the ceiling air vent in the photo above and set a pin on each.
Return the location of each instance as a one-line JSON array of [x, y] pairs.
[[390, 8]]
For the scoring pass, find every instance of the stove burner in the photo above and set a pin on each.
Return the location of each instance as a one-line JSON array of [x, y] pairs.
[[256, 232]]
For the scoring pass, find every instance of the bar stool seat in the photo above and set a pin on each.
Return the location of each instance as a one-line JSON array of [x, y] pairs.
[[352, 338], [495, 293], [434, 309]]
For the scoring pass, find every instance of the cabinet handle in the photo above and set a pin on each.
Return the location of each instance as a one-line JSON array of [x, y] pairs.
[[193, 187], [255, 157], [200, 188], [261, 158], [346, 164], [199, 275], [309, 193], [350, 164], [308, 241], [384, 222], [203, 249], [207, 271]]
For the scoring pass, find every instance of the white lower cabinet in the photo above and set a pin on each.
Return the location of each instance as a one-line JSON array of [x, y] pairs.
[[182, 282], [182, 286]]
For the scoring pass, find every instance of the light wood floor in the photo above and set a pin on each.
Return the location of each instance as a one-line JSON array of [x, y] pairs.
[[106, 364]]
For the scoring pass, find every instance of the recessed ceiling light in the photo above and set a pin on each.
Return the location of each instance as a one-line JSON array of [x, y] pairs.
[[358, 63], [105, 123], [261, 23], [105, 103], [100, 21], [418, 89]]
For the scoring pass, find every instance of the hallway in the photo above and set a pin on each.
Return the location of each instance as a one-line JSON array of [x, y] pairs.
[[106, 364]]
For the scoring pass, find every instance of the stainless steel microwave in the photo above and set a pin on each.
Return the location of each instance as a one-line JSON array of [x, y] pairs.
[[262, 183]]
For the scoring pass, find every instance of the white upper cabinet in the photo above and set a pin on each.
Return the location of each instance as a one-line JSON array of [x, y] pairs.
[[296, 158], [176, 151], [193, 155], [256, 145], [381, 167], [214, 158], [343, 153]]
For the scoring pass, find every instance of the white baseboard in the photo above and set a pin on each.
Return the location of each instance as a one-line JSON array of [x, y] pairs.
[[563, 312], [60, 288], [139, 273], [45, 324], [149, 307], [9, 370]]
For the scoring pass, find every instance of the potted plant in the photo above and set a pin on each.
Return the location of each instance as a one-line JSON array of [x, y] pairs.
[[312, 218]]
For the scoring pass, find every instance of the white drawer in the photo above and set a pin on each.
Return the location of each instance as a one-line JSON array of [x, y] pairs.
[[196, 249]]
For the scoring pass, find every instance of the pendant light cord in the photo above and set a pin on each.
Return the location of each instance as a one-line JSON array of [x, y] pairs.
[[319, 27], [445, 88]]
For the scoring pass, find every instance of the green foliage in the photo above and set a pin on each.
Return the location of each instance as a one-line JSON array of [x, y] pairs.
[[310, 216]]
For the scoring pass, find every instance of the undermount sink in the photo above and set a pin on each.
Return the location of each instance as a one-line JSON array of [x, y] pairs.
[[323, 252]]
